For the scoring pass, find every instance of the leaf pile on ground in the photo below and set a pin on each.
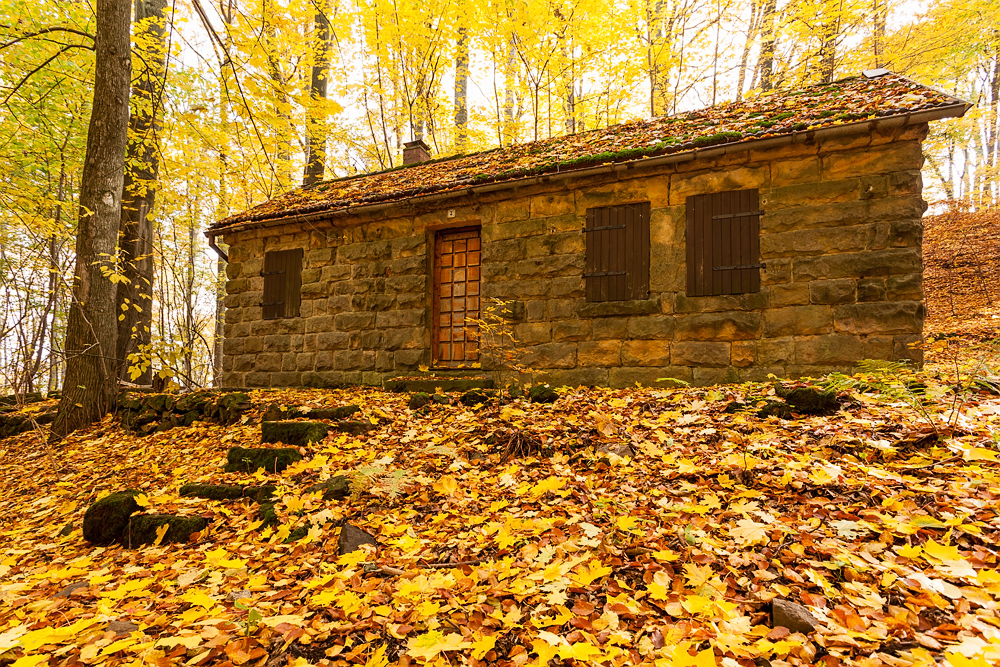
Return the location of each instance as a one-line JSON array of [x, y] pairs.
[[962, 273], [652, 526]]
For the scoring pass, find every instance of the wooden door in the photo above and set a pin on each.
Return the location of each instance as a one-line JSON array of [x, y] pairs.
[[456, 297]]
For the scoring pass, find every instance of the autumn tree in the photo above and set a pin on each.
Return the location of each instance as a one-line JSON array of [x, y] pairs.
[[91, 381], [142, 166]]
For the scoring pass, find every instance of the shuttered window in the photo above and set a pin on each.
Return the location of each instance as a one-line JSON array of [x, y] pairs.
[[617, 252], [282, 283], [723, 243]]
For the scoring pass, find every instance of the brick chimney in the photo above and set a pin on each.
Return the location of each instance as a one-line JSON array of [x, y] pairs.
[[415, 152]]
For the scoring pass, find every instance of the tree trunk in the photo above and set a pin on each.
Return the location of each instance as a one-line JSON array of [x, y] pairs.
[[767, 45], [462, 91], [135, 293], [89, 390], [283, 159], [316, 112], [879, 9]]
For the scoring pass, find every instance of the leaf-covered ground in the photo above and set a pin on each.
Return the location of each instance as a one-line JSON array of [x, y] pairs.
[[882, 519]]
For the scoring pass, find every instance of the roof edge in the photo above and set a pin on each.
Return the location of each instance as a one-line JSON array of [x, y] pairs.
[[903, 120]]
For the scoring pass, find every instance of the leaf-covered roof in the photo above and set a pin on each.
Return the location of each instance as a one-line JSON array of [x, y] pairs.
[[780, 113]]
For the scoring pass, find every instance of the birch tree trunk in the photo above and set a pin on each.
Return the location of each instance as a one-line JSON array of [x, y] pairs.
[[90, 387], [462, 91]]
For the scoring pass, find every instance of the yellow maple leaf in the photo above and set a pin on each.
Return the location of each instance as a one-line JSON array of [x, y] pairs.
[[426, 646], [31, 661], [483, 645], [749, 532], [591, 571], [446, 486], [378, 659], [584, 651], [199, 599], [682, 658]]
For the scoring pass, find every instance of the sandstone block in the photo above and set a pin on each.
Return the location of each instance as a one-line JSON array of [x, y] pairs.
[[354, 321], [888, 317], [599, 353], [406, 360], [577, 377], [795, 171], [533, 333], [571, 330], [734, 325], [743, 353], [812, 194], [610, 327], [550, 355], [406, 337], [828, 350], [738, 178], [897, 156], [817, 241], [269, 361], [726, 302], [651, 327], [858, 264], [232, 346], [704, 377], [562, 309], [903, 348], [792, 294], [286, 379], [649, 306], [711, 354], [871, 289], [797, 320], [877, 347], [833, 292], [646, 353], [554, 204]]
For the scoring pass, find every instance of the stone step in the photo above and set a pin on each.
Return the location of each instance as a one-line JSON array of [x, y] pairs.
[[430, 383]]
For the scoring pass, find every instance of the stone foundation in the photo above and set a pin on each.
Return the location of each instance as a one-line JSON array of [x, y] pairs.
[[840, 238]]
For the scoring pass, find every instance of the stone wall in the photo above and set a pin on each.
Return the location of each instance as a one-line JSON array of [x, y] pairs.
[[840, 236]]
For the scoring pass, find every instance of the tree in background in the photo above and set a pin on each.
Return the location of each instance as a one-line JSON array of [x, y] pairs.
[[142, 167], [90, 386]]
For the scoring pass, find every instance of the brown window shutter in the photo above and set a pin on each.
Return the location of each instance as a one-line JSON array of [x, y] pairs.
[[617, 266], [723, 243], [282, 284]]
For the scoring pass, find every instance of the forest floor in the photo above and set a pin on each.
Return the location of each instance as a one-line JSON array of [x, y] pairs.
[[881, 518], [667, 527]]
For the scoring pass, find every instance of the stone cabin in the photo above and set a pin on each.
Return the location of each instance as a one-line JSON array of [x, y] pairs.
[[778, 235]]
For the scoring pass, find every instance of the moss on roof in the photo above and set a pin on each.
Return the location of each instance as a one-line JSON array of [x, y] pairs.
[[779, 113]]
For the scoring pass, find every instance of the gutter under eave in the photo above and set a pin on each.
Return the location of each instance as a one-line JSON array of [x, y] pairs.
[[901, 120]]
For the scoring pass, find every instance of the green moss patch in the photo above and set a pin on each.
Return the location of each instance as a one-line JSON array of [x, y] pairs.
[[142, 529], [298, 434], [227, 492], [252, 459], [105, 520]]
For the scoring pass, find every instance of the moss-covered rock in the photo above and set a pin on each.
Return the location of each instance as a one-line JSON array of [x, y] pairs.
[[277, 412], [441, 399], [161, 402], [267, 515], [195, 401], [811, 400], [474, 397], [419, 399], [335, 488], [128, 401], [296, 534], [354, 427], [252, 459], [298, 434], [141, 529], [543, 393], [775, 409], [231, 407], [105, 520], [228, 492]]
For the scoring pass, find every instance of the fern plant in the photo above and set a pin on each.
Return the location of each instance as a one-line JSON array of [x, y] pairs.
[[891, 381]]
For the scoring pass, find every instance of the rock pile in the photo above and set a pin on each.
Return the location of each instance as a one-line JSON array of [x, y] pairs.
[[154, 413]]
